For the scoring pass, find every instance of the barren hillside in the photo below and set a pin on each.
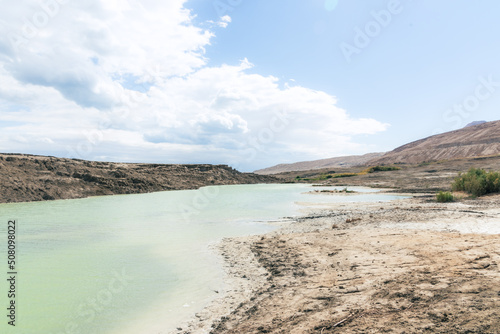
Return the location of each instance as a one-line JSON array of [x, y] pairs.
[[349, 161], [473, 141], [25, 178]]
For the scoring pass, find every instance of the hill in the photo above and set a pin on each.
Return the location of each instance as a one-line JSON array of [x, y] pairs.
[[474, 123], [25, 178], [348, 161], [472, 141]]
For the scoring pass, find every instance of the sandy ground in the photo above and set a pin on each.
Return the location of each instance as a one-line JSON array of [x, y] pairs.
[[408, 266]]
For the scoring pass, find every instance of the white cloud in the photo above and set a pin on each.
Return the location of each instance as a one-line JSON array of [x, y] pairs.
[[224, 21], [128, 80]]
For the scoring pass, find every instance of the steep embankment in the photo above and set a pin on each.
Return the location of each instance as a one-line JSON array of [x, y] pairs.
[[25, 178], [349, 161], [473, 141]]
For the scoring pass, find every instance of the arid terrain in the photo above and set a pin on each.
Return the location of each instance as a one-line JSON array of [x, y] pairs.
[[25, 178], [477, 139], [472, 141], [409, 266], [338, 162], [420, 178]]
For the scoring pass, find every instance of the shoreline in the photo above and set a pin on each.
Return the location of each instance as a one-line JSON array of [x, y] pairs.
[[244, 276], [33, 178], [258, 271]]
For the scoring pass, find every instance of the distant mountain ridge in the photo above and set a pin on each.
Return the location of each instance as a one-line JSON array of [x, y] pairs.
[[474, 123], [476, 139], [348, 161], [482, 139]]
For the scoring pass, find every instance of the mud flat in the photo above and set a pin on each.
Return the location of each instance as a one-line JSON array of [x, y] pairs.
[[407, 266]]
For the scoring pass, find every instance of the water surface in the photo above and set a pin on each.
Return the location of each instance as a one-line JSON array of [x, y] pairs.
[[134, 263]]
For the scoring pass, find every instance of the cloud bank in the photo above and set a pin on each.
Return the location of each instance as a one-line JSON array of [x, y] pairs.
[[125, 80]]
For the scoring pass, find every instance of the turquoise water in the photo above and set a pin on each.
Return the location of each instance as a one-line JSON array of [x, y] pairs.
[[133, 263]]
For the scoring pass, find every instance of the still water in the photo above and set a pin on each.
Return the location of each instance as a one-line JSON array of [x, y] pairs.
[[133, 263]]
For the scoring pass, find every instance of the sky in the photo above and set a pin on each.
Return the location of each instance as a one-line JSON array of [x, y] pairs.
[[246, 83]]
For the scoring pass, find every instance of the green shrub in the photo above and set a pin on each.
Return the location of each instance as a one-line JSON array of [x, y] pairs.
[[335, 176], [477, 182], [382, 169], [444, 197], [322, 177], [378, 169]]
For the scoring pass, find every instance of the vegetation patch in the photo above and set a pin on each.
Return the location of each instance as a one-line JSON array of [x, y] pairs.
[[336, 176], [380, 169], [333, 175], [477, 182], [445, 197]]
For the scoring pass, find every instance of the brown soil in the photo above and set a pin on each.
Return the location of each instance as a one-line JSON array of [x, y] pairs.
[[422, 178], [25, 178], [475, 140], [471, 141], [363, 277], [338, 162]]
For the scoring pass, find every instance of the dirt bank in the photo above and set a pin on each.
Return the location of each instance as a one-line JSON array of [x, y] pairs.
[[26, 178], [361, 269]]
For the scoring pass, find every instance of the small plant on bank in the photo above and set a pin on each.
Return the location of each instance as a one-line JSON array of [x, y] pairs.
[[445, 197]]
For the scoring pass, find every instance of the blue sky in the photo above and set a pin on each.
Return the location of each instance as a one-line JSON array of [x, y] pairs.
[[240, 82], [424, 62]]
